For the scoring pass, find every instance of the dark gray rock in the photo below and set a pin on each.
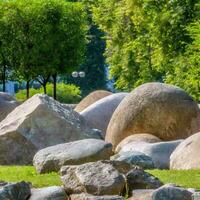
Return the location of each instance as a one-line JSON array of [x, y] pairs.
[[171, 192], [135, 158], [15, 191], [139, 179]]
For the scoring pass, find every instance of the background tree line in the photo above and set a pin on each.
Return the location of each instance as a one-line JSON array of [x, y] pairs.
[[151, 40]]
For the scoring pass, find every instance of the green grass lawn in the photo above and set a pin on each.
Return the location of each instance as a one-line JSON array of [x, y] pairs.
[[28, 173], [188, 179], [184, 178]]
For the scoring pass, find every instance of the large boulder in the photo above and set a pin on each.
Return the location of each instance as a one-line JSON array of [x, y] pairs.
[[91, 98], [99, 113], [85, 196], [159, 152], [73, 153], [186, 155], [142, 137], [49, 193], [162, 110], [96, 178], [171, 192], [15, 191], [7, 104], [40, 122]]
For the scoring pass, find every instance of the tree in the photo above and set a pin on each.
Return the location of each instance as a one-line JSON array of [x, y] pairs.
[[94, 64], [63, 46], [48, 38], [187, 66], [143, 37]]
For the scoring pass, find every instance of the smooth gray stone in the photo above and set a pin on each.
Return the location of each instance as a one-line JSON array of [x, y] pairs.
[[49, 193], [73, 153]]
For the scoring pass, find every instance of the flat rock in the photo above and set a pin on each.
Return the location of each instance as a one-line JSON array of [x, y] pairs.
[[15, 191], [159, 152], [165, 111], [141, 137], [141, 194], [91, 98], [85, 196], [139, 179], [49, 193], [96, 178], [99, 113], [135, 158], [73, 153], [171, 192], [41, 122], [186, 155], [7, 104]]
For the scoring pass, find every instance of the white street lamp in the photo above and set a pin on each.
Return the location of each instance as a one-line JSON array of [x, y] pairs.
[[80, 74]]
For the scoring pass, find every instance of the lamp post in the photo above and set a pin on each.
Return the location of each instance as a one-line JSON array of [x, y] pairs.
[[78, 75]]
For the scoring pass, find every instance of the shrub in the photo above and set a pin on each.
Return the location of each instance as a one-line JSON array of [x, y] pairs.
[[65, 93]]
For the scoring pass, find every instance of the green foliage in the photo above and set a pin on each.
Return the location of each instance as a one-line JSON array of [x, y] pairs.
[[144, 38], [65, 93], [186, 72], [42, 37]]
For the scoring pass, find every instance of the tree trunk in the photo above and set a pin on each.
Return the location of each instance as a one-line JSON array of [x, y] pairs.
[[45, 88], [27, 89], [54, 86], [4, 78]]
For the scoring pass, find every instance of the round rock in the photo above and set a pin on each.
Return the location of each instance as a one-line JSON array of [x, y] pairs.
[[91, 98], [73, 153], [159, 152], [162, 110], [142, 137], [99, 113], [186, 155], [171, 192]]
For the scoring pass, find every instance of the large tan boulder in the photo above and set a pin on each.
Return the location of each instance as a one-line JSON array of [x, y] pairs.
[[7, 104], [186, 155], [162, 110], [91, 98], [142, 137], [40, 122], [99, 113]]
